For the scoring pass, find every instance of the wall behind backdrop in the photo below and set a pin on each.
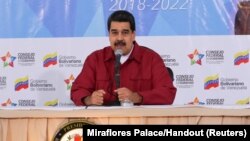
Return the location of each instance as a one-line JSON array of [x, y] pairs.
[[43, 45]]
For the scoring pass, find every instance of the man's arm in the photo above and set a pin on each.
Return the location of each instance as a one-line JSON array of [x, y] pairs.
[[163, 91], [83, 85]]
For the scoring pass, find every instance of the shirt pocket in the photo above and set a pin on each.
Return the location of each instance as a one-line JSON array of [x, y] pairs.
[[104, 83], [141, 83]]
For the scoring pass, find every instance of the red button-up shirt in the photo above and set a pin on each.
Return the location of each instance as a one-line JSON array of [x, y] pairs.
[[144, 72]]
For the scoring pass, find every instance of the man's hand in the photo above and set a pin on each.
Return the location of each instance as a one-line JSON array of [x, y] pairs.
[[96, 98], [127, 94]]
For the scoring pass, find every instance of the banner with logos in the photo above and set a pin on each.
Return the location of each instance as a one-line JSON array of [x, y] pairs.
[[43, 45]]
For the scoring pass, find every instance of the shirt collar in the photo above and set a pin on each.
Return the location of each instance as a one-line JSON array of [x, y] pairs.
[[124, 58], [136, 53]]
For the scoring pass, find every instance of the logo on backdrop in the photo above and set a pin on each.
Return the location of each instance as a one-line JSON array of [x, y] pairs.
[[71, 131], [211, 82], [3, 82], [8, 102], [56, 102], [225, 83], [196, 101], [22, 83], [232, 84], [215, 101], [69, 61], [169, 61], [8, 60], [214, 56], [196, 57], [26, 59], [245, 101], [241, 57], [52, 103], [26, 102], [41, 85], [50, 60], [184, 81], [69, 81]]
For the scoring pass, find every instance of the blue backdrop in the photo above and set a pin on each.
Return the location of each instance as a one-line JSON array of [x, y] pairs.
[[86, 18]]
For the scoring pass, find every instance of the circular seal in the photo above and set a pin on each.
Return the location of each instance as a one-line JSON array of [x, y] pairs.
[[71, 131]]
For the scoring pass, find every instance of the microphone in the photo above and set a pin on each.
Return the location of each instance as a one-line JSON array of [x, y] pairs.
[[118, 54]]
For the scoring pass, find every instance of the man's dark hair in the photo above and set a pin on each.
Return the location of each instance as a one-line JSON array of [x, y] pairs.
[[122, 16]]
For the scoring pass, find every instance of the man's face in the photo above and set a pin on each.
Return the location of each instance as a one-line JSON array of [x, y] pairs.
[[121, 36]]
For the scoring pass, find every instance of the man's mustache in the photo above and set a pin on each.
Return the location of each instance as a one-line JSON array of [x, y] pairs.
[[120, 43]]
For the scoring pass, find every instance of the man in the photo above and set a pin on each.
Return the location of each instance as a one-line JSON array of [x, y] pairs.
[[144, 80]]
